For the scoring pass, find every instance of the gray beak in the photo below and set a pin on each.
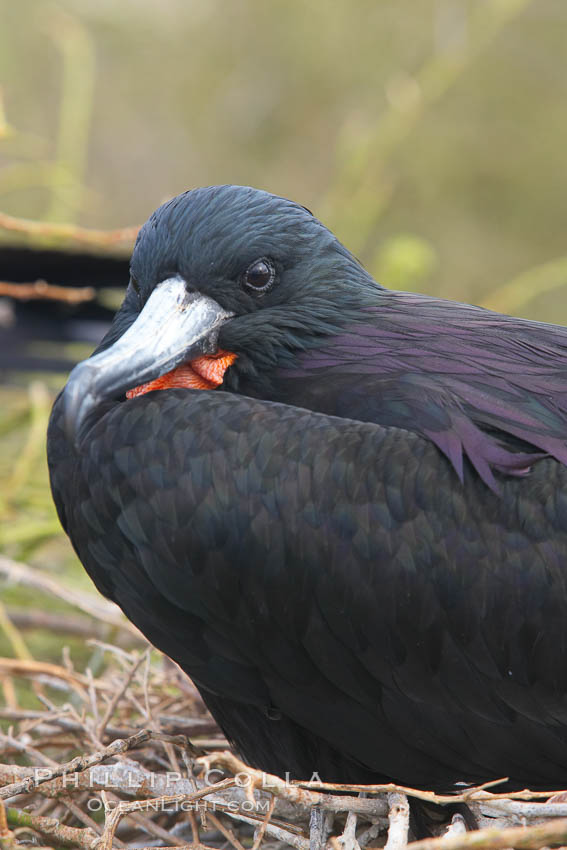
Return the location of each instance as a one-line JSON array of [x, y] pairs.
[[174, 326]]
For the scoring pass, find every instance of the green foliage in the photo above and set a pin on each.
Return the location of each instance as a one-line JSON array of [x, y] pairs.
[[405, 261]]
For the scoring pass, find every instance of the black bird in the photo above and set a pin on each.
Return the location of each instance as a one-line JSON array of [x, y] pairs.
[[354, 539]]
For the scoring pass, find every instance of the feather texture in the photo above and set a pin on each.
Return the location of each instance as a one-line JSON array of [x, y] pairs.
[[479, 385]]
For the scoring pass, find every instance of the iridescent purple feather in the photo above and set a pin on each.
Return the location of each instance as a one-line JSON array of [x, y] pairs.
[[480, 385]]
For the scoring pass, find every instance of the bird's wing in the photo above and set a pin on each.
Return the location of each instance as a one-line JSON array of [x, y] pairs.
[[337, 571], [480, 385]]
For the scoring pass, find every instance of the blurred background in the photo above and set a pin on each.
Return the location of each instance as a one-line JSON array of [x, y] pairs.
[[431, 137]]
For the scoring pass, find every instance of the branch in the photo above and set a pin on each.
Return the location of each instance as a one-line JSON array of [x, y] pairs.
[[68, 836], [399, 821], [521, 838], [76, 765], [28, 619], [259, 835], [114, 815], [519, 810], [478, 793], [26, 667], [296, 793], [348, 839], [40, 290], [59, 719], [95, 606], [121, 238], [117, 696]]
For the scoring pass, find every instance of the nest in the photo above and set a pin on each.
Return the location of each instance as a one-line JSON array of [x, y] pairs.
[[130, 757]]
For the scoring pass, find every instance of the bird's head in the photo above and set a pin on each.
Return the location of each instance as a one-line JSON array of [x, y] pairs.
[[225, 276]]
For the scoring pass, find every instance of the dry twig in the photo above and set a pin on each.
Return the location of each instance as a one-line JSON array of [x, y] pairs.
[[399, 821], [51, 828], [118, 696], [27, 667], [94, 606], [122, 238], [261, 831], [76, 765], [522, 838], [295, 793], [40, 290]]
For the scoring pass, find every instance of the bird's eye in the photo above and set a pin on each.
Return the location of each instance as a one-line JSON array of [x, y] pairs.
[[260, 275]]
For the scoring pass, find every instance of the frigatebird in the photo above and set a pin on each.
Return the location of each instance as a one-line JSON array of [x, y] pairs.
[[342, 510]]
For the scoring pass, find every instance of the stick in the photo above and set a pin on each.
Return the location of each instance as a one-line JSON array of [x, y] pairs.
[[228, 833], [399, 821], [295, 793], [517, 809], [113, 816], [519, 837], [258, 837], [41, 290], [478, 793], [76, 765], [26, 667], [95, 606], [348, 838], [456, 827], [292, 838], [316, 829], [55, 719], [68, 836], [122, 237], [72, 624], [117, 697], [148, 826], [25, 747]]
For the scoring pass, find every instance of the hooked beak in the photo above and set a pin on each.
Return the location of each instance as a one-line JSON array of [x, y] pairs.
[[174, 326]]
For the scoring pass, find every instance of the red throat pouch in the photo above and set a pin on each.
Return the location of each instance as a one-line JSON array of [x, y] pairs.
[[203, 373]]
